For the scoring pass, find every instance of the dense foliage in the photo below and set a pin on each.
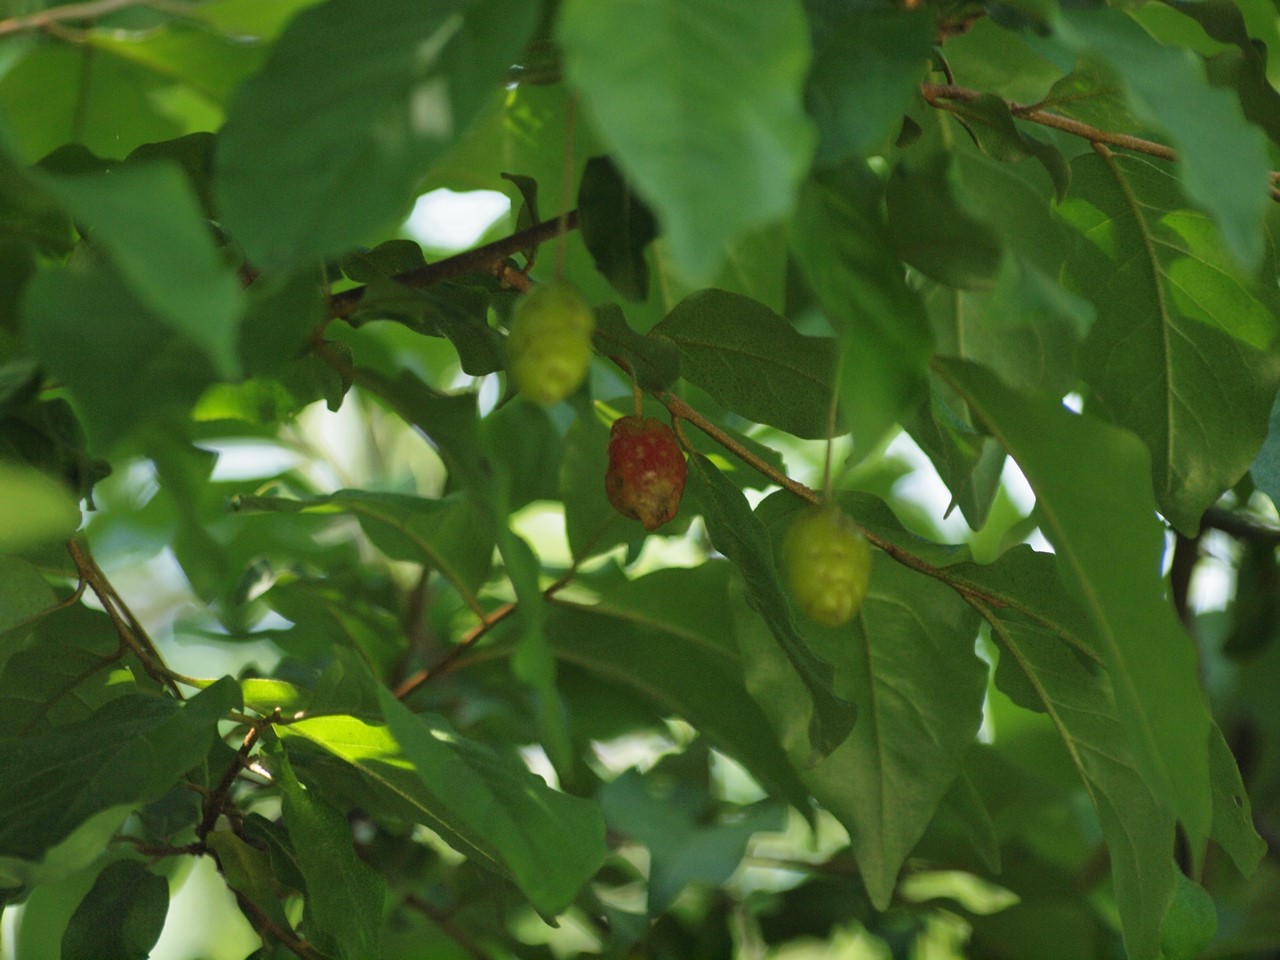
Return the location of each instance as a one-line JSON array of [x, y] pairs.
[[306, 608]]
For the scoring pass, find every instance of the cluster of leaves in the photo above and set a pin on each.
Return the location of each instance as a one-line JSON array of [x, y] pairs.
[[793, 219]]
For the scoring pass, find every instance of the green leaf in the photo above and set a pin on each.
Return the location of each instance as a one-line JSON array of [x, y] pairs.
[[447, 534], [533, 662], [592, 525], [739, 535], [867, 66], [34, 508], [1096, 509], [147, 220], [211, 63], [328, 142], [450, 420], [840, 241], [527, 444], [1265, 469], [486, 807], [248, 872], [682, 849], [1031, 582], [616, 226], [458, 311], [27, 210], [1093, 94], [1222, 159], [41, 99], [968, 462], [907, 660], [124, 366], [63, 673], [528, 187], [344, 897], [1181, 350], [992, 126], [129, 752], [1027, 328], [1233, 827], [654, 360], [753, 360], [933, 231], [668, 636], [120, 917], [1136, 822], [24, 596], [529, 824], [714, 148]]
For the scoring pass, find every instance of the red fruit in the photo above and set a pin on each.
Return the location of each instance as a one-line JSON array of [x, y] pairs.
[[646, 474]]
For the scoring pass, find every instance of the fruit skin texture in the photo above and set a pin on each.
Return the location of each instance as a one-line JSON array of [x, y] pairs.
[[647, 470], [828, 565], [549, 346]]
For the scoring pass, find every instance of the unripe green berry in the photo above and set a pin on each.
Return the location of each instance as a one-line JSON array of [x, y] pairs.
[[549, 346], [827, 564]]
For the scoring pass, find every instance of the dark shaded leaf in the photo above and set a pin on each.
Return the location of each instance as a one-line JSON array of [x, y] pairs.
[[616, 226], [739, 535], [752, 360], [121, 916]]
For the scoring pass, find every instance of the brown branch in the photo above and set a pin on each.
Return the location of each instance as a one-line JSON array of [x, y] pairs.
[[970, 593], [262, 923], [216, 800], [937, 93], [1186, 554], [471, 637], [484, 259], [682, 411], [127, 626], [1242, 526], [78, 11]]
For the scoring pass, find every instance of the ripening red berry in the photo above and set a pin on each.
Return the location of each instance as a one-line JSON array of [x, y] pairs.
[[647, 470]]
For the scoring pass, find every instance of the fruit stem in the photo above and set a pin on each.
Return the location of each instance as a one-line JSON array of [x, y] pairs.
[[831, 426], [637, 397], [566, 184]]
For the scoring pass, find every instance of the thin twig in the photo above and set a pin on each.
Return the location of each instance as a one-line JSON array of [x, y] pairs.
[[127, 627], [1242, 526], [263, 923], [937, 93], [471, 637], [479, 260], [39, 615], [77, 11], [216, 801], [969, 592], [682, 411]]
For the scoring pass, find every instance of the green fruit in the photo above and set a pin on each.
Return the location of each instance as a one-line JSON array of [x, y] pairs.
[[549, 347], [828, 565], [1190, 922]]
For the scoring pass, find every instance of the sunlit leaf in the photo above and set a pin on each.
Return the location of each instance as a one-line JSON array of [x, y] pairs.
[[1083, 470], [713, 148], [1181, 350]]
